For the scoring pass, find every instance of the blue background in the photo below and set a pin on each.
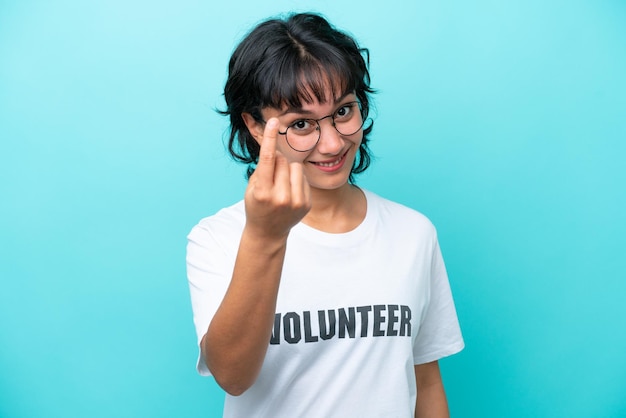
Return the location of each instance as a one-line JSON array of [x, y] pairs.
[[504, 122]]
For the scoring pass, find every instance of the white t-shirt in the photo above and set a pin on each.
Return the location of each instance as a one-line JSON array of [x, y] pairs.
[[355, 312]]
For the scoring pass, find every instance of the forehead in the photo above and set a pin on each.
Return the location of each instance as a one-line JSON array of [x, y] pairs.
[[314, 85], [329, 101]]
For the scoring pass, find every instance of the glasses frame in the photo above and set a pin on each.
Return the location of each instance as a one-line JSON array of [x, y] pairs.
[[319, 127]]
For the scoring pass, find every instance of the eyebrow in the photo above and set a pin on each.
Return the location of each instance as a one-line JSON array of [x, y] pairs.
[[308, 112]]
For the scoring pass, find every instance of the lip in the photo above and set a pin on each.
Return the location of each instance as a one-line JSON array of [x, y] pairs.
[[330, 166]]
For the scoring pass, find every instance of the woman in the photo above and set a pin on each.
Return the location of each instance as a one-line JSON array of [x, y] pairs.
[[313, 297]]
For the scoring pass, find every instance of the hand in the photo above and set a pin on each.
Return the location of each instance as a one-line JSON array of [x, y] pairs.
[[278, 195]]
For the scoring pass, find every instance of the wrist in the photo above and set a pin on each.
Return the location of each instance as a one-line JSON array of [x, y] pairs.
[[263, 243]]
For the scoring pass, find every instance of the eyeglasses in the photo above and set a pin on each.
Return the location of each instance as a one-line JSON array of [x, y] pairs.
[[303, 134]]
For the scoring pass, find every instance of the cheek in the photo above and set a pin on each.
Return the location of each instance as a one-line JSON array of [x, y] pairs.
[[291, 155], [356, 140], [294, 157]]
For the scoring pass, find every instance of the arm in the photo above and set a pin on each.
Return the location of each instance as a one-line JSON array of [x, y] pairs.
[[276, 199], [431, 396]]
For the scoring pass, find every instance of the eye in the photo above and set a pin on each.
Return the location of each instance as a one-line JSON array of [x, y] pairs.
[[302, 126], [346, 111]]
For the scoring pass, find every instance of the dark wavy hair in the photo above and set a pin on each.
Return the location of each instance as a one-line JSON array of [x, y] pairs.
[[286, 61]]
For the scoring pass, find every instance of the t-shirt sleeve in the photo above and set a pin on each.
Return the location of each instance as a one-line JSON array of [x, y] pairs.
[[439, 333], [208, 273]]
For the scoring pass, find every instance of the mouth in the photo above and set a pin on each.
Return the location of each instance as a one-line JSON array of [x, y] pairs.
[[333, 163]]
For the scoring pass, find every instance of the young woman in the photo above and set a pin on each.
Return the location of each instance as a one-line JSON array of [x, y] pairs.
[[313, 297]]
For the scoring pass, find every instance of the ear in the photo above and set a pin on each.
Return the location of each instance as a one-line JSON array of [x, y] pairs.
[[254, 127]]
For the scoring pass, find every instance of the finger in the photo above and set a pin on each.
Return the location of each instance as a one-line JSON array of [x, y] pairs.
[[295, 180], [307, 192], [300, 190], [267, 154], [281, 176]]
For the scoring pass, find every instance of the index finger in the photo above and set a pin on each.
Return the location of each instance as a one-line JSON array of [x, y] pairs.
[[267, 153]]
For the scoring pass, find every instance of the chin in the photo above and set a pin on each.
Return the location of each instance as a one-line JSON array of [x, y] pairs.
[[331, 182]]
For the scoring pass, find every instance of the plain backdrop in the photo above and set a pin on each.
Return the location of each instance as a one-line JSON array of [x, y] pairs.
[[504, 122]]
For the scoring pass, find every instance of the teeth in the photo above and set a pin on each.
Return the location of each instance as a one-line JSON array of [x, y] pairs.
[[331, 164]]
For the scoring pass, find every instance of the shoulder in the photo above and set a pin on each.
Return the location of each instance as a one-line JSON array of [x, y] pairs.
[[396, 215], [226, 223]]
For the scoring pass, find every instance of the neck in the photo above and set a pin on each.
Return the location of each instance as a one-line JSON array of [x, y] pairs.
[[338, 210]]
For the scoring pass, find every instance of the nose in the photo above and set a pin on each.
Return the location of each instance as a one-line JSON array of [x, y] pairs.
[[330, 141]]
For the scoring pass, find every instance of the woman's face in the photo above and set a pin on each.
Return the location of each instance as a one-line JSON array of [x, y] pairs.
[[329, 163]]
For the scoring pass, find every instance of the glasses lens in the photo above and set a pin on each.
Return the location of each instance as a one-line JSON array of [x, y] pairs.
[[348, 119], [303, 134]]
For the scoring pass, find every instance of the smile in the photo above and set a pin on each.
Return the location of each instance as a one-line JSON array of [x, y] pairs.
[[334, 163], [331, 164]]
